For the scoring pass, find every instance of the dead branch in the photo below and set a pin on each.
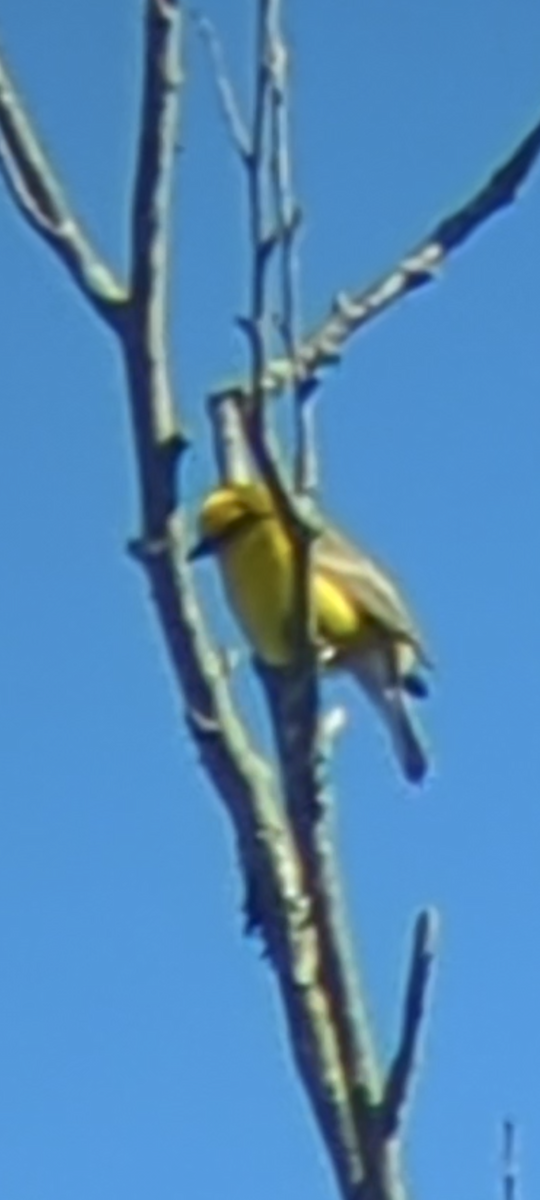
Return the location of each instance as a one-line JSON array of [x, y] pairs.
[[405, 1064], [287, 223], [351, 312], [230, 107], [510, 1174], [40, 198]]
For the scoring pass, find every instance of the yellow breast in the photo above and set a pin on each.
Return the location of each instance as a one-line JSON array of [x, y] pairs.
[[258, 576]]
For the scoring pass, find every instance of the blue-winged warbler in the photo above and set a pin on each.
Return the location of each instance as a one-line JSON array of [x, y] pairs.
[[362, 624]]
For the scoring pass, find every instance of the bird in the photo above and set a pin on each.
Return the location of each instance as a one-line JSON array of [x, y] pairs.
[[362, 624]]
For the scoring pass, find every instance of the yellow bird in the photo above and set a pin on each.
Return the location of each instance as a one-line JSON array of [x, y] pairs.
[[362, 623]]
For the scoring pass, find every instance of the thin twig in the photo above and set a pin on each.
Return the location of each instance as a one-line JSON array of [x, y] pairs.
[[229, 104], [257, 214], [256, 327], [259, 435], [351, 312], [38, 194], [510, 1175], [405, 1063], [262, 444], [288, 219]]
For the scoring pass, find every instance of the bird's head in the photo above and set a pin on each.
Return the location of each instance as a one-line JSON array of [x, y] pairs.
[[226, 512]]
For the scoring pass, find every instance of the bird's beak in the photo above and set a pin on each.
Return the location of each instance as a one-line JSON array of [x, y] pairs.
[[201, 549]]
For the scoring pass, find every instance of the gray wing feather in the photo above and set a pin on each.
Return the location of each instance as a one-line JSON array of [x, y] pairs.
[[375, 590]]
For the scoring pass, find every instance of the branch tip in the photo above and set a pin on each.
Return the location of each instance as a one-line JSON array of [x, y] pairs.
[[230, 107], [402, 1070], [39, 196], [349, 313]]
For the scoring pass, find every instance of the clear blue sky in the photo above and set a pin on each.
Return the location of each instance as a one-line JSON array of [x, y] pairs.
[[142, 1048]]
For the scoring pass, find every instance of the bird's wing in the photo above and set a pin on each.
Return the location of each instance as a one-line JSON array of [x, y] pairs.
[[369, 584]]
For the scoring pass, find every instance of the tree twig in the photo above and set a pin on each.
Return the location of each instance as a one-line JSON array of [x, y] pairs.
[[404, 1065], [230, 107], [288, 220], [510, 1176], [40, 198], [350, 312], [256, 326]]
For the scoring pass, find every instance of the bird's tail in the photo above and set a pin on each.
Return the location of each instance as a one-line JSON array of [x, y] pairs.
[[394, 708], [406, 738]]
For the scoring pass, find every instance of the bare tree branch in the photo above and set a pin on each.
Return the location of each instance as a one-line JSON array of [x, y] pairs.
[[143, 330], [39, 196], [351, 312], [403, 1068], [287, 220], [510, 1174], [230, 450], [256, 326], [229, 103]]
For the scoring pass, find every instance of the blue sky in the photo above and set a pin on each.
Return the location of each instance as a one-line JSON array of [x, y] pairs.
[[142, 1048]]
